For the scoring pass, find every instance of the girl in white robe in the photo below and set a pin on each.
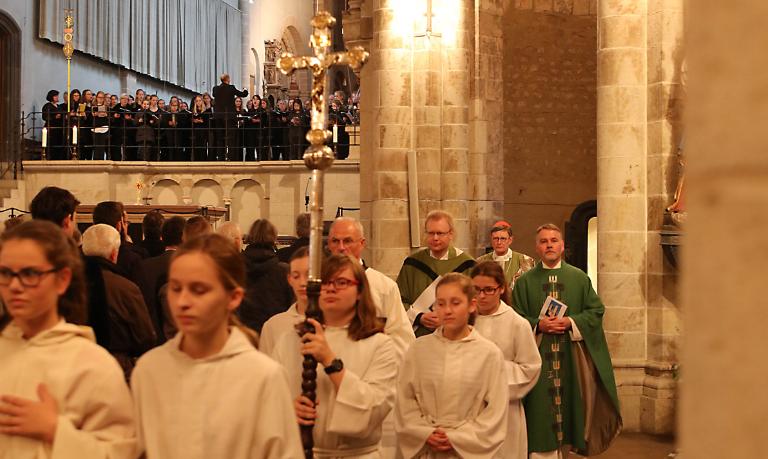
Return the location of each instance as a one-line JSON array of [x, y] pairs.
[[357, 366], [61, 395], [208, 392], [452, 395], [498, 322]]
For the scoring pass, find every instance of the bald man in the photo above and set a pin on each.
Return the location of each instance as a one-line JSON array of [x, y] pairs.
[[346, 236]]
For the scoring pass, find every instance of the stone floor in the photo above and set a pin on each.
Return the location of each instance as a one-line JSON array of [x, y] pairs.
[[639, 446]]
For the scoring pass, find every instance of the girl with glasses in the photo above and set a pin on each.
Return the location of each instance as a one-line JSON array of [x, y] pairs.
[[208, 392], [498, 322], [452, 394], [356, 390], [61, 395]]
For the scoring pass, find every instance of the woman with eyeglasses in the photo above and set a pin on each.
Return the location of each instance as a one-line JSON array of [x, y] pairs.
[[498, 322], [356, 386], [61, 395]]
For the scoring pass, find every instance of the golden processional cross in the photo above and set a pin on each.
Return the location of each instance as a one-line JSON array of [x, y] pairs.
[[318, 158]]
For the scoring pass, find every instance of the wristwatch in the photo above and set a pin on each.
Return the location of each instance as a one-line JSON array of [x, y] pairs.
[[336, 366]]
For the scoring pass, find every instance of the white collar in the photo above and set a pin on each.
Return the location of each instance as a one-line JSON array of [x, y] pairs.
[[504, 257], [557, 266]]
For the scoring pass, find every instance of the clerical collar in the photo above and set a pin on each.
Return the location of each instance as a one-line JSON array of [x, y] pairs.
[[557, 266], [504, 257]]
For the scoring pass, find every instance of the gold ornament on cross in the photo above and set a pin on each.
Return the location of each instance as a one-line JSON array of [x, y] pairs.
[[317, 158]]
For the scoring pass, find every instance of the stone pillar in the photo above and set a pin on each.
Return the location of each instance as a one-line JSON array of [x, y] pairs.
[[622, 193], [486, 153], [639, 52], [665, 55], [723, 359]]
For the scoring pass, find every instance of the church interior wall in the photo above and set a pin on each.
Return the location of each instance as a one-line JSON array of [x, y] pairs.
[[268, 21], [549, 110], [43, 66]]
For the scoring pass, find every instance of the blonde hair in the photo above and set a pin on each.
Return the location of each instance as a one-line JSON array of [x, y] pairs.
[[439, 215]]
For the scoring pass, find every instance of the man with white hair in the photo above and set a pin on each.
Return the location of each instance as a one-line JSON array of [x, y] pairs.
[[116, 307], [232, 231], [346, 236]]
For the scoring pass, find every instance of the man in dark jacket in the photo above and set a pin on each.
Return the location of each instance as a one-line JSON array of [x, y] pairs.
[[224, 110], [124, 328], [129, 258], [302, 231], [154, 275]]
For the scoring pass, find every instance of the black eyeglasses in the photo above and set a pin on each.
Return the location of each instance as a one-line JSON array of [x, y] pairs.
[[486, 290], [29, 277], [339, 283]]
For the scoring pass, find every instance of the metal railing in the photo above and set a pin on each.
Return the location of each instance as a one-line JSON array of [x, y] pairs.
[[122, 135]]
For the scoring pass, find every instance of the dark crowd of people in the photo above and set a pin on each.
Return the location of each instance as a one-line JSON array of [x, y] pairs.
[[197, 353], [225, 125]]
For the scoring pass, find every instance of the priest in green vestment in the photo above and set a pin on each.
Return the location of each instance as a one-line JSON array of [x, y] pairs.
[[513, 263], [421, 269], [574, 405]]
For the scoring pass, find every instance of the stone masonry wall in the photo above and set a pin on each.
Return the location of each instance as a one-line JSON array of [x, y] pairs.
[[549, 130]]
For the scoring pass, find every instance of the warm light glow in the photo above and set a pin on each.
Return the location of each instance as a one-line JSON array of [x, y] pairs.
[[45, 137], [74, 135], [447, 17], [435, 19]]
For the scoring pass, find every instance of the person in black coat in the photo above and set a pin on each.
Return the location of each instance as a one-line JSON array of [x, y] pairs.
[[298, 125], [224, 111], [280, 124], [53, 115], [267, 290]]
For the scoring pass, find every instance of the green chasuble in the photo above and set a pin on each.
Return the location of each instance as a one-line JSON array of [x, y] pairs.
[[585, 372], [511, 266], [418, 272]]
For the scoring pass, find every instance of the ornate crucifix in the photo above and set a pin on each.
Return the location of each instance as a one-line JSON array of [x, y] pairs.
[[318, 158]]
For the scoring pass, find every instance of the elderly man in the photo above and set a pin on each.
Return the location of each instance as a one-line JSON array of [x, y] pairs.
[[513, 263], [116, 307], [346, 236], [574, 404], [421, 271], [232, 231]]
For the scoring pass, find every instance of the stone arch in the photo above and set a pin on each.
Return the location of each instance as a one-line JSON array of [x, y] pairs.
[[10, 91], [294, 43], [248, 202], [166, 191], [207, 192]]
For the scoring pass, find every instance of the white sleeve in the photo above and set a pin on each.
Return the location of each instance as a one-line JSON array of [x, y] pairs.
[[411, 426], [106, 429], [363, 401], [276, 435], [574, 331], [398, 326], [524, 369]]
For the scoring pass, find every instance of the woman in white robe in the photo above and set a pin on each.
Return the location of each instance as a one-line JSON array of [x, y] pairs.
[[498, 322], [61, 395], [452, 395], [357, 366], [208, 392], [285, 322]]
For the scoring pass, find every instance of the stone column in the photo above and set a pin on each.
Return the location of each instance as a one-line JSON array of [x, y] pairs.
[[416, 97], [723, 276], [665, 57], [622, 193]]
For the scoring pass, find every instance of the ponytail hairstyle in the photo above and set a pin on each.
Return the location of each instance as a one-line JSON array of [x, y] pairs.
[[61, 252], [466, 287], [230, 267], [493, 270], [365, 323]]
